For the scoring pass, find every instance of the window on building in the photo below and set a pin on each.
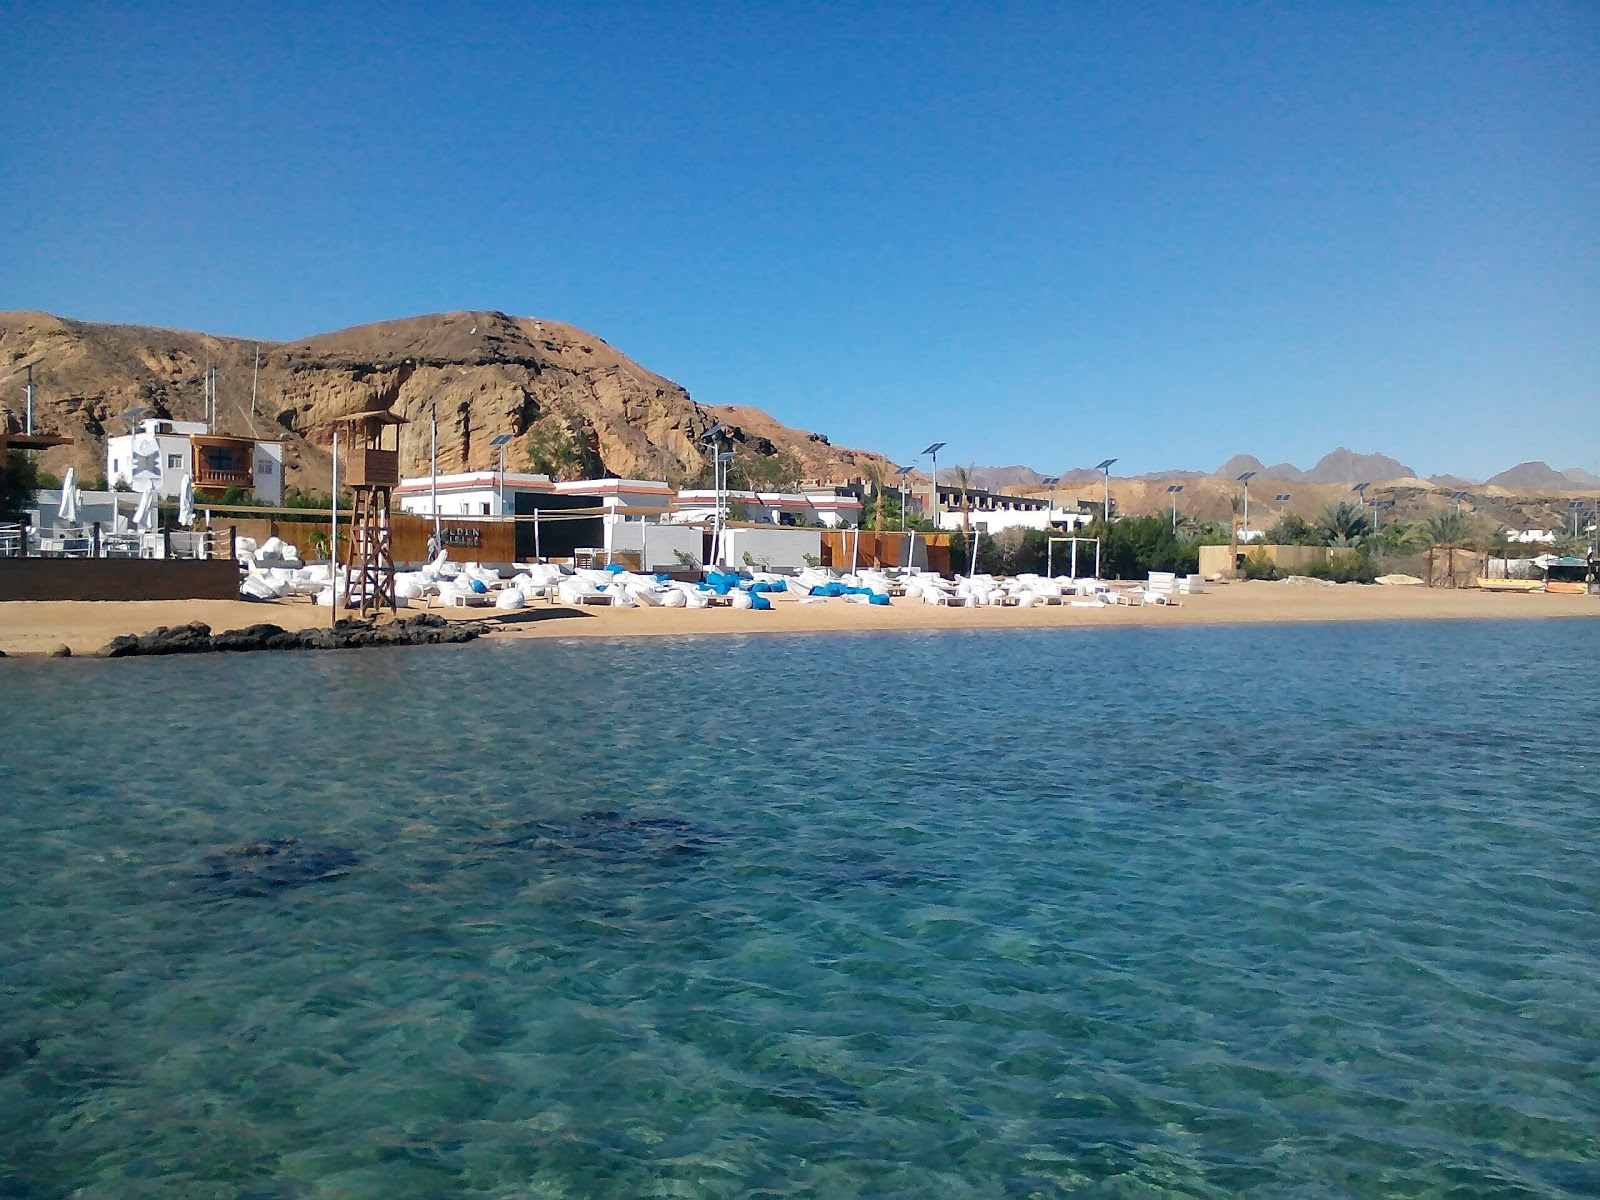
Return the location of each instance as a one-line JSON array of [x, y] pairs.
[[174, 462], [486, 508], [265, 468]]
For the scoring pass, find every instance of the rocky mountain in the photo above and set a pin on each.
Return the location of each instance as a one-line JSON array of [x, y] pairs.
[[994, 479], [1539, 476], [1240, 463], [1345, 466], [573, 403]]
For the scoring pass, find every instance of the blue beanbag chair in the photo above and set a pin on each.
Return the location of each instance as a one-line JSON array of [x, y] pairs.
[[759, 602], [880, 598], [479, 586]]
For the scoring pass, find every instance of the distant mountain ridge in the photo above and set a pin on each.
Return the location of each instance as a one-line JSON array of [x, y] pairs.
[[1340, 466], [1541, 476]]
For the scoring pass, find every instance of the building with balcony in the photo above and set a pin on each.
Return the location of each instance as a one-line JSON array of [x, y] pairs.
[[159, 453], [990, 512], [829, 507]]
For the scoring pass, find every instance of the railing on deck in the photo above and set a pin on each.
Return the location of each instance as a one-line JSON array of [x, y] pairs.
[[207, 477]]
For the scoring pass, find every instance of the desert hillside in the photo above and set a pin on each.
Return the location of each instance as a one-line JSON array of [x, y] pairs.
[[573, 404]]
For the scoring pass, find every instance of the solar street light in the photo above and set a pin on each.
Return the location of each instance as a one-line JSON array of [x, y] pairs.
[[900, 473], [499, 442], [933, 453], [1172, 490], [1105, 465], [28, 367], [1050, 482], [1245, 479]]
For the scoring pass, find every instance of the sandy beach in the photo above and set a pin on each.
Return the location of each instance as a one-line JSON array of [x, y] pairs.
[[39, 627]]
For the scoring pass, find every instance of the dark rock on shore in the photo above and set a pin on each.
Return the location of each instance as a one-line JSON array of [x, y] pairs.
[[194, 638], [423, 629]]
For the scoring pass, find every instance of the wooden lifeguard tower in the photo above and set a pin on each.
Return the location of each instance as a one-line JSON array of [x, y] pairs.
[[372, 472]]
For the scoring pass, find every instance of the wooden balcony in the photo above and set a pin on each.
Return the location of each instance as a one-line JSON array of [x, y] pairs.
[[366, 467], [206, 477]]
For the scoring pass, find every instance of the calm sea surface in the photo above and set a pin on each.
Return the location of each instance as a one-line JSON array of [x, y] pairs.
[[1285, 912]]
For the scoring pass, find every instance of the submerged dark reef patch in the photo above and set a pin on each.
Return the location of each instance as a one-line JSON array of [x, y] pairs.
[[263, 868]]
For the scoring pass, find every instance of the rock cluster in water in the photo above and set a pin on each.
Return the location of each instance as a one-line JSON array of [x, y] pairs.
[[424, 629], [261, 868]]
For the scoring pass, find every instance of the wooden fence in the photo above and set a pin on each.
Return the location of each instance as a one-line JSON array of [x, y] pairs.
[[883, 549], [476, 540]]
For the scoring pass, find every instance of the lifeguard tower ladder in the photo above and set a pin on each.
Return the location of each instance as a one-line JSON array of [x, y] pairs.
[[372, 471]]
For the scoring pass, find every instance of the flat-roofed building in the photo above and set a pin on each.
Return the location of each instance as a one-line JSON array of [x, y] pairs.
[[159, 453]]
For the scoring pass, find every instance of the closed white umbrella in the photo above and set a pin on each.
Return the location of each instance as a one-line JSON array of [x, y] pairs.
[[71, 498], [144, 516], [186, 502]]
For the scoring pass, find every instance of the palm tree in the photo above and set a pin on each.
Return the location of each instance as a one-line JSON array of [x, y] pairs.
[[1447, 527], [875, 477], [1342, 524], [964, 481], [1397, 539]]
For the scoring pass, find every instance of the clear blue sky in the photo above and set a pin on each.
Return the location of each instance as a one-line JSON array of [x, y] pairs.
[[1042, 233]]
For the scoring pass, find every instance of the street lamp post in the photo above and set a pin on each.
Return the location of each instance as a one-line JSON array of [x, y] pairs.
[[1050, 482], [499, 442], [1245, 479], [1173, 490], [1105, 466], [1576, 506], [1282, 498], [900, 473], [433, 471], [933, 453], [712, 437], [1360, 490]]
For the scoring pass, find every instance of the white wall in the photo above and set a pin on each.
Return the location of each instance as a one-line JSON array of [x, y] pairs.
[[466, 502], [782, 549], [994, 521], [267, 470], [658, 546]]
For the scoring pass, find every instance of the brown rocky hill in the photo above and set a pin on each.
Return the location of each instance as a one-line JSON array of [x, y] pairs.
[[573, 403]]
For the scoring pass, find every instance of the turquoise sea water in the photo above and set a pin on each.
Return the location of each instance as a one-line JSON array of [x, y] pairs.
[[1288, 912]]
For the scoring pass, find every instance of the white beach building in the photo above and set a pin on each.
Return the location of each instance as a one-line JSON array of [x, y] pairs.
[[159, 453], [991, 512], [470, 493], [833, 508]]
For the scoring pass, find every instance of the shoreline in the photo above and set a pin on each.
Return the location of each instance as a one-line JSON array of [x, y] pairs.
[[37, 628]]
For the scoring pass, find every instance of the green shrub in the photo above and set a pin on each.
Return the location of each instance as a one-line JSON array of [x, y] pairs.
[[19, 483], [1343, 567], [1259, 566]]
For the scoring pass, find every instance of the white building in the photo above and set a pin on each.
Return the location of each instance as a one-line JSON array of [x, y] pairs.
[[1531, 537], [991, 512], [829, 507], [160, 453], [470, 493]]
